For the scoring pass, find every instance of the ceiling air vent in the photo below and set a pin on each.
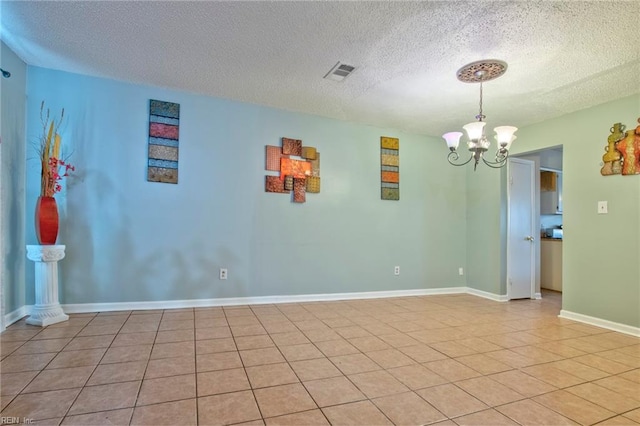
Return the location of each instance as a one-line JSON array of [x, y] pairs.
[[339, 72]]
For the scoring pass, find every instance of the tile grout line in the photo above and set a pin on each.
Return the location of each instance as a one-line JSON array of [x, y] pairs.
[[95, 367], [50, 361], [618, 345], [195, 363], [43, 368], [296, 374], [244, 368], [98, 364]]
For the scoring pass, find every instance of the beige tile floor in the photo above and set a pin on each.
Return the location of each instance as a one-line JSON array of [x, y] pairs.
[[446, 360]]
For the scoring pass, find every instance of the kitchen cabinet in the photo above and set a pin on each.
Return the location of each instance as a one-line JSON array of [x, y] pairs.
[[551, 264], [548, 180], [550, 192]]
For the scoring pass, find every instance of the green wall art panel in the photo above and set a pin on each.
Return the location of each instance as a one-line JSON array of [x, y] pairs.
[[390, 168]]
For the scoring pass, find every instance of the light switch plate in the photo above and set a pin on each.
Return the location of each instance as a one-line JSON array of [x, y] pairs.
[[603, 207]]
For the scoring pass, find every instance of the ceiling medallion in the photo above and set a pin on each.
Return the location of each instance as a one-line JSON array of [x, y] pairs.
[[480, 71]]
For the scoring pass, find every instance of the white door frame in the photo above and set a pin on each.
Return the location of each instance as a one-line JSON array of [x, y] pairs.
[[2, 266], [533, 215]]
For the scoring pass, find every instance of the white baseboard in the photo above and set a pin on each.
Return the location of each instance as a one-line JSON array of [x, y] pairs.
[[23, 311], [538, 296], [487, 295], [16, 315], [598, 322], [259, 300]]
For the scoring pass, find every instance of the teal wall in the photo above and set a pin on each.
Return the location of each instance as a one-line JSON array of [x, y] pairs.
[[131, 240], [12, 130], [485, 217], [601, 271]]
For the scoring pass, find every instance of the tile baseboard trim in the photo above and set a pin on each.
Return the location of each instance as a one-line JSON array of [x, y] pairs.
[[602, 323]]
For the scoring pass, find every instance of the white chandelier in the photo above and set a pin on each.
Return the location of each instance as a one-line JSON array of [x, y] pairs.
[[478, 144]]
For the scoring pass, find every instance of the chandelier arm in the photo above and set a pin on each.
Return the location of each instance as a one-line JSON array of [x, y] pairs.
[[501, 160], [502, 155], [494, 165], [453, 156]]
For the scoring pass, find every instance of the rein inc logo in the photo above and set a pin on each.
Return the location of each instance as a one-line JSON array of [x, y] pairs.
[[5, 420]]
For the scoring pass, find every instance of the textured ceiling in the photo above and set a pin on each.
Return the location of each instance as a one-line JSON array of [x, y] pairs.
[[562, 56]]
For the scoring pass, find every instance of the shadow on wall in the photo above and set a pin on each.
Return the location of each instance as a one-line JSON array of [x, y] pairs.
[[103, 265], [13, 194]]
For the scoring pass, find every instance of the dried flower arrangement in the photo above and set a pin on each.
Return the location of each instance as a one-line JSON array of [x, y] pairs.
[[54, 168]]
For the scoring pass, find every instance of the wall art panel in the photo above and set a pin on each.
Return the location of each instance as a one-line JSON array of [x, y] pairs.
[[295, 168], [288, 182], [298, 167], [292, 147], [622, 153], [299, 190], [315, 165], [313, 184], [390, 168], [274, 184], [309, 152], [274, 154], [164, 132]]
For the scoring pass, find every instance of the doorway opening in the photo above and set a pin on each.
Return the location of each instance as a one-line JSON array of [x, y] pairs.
[[554, 299], [548, 205]]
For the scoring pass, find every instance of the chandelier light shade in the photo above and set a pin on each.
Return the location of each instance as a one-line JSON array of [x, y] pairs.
[[474, 130], [478, 144], [453, 139], [505, 135]]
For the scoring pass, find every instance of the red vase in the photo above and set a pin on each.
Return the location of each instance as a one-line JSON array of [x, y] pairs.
[[46, 220]]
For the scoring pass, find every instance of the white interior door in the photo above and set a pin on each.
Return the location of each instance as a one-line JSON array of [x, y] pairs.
[[521, 234]]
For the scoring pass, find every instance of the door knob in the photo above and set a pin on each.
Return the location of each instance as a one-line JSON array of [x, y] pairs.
[[529, 238]]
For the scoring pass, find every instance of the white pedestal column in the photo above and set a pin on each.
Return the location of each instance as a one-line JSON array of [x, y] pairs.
[[47, 310]]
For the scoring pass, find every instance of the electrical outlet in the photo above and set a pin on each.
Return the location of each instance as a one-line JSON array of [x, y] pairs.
[[603, 207], [460, 271], [223, 273], [396, 270]]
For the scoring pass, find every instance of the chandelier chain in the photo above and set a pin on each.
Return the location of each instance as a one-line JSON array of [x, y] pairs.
[[480, 116]]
